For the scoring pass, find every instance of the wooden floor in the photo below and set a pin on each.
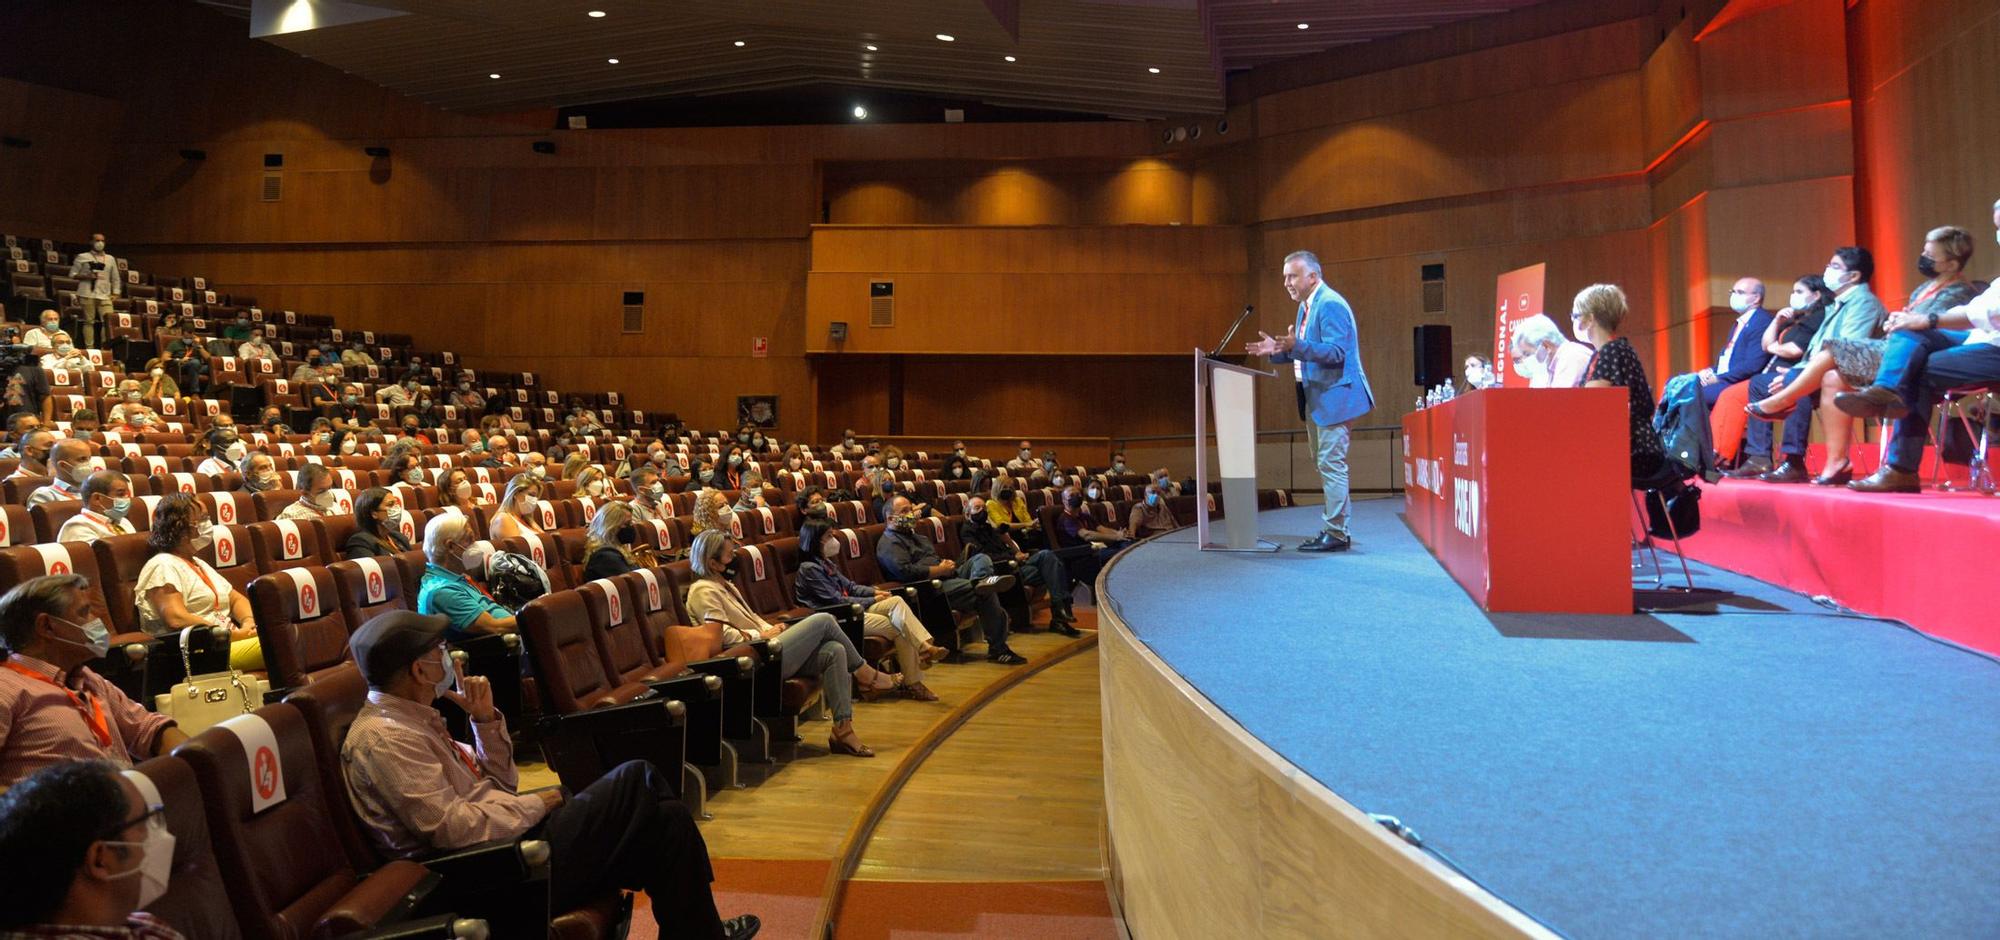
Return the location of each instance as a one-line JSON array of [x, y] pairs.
[[1017, 794]]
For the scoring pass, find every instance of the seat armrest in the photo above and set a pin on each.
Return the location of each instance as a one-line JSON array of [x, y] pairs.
[[388, 895], [494, 863], [437, 927], [489, 644]]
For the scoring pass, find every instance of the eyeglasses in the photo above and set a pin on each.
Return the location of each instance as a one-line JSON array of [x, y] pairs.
[[151, 817]]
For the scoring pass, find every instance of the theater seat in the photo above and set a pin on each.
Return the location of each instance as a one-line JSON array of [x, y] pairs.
[[301, 625], [591, 723], [196, 902], [288, 543], [283, 879]]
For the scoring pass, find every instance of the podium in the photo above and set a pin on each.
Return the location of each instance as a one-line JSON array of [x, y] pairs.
[[1233, 391]]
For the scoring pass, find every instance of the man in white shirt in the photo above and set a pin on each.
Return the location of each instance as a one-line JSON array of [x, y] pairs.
[[107, 498], [315, 494], [225, 451], [255, 347], [98, 281], [65, 355], [70, 462], [41, 339], [1024, 461], [1927, 355]]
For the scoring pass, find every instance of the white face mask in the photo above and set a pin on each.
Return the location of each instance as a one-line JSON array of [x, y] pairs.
[[235, 452], [202, 539], [462, 491], [99, 246], [397, 517], [322, 501], [594, 488], [829, 549], [348, 446], [446, 679], [1832, 278], [156, 864], [1739, 303]]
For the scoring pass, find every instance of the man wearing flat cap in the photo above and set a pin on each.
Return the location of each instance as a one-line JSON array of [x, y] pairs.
[[418, 790]]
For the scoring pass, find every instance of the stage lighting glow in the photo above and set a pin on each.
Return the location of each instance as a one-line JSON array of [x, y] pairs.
[[1153, 71], [860, 113], [597, 14], [946, 37], [1008, 58]]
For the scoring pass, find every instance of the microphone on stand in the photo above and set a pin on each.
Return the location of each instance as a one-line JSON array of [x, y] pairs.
[[1233, 327]]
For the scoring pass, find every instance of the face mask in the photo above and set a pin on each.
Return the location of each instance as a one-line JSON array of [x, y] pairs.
[[351, 399], [446, 678], [235, 452], [96, 638], [594, 488], [50, 326], [829, 549], [626, 535], [413, 476], [348, 446], [99, 246], [141, 420], [473, 559], [895, 462], [708, 476], [202, 538], [476, 447], [1006, 496], [323, 501], [1094, 493], [657, 491], [742, 438], [1832, 277], [1024, 453], [133, 396], [817, 509], [960, 452], [1739, 303], [76, 474], [1152, 499], [958, 471], [1119, 466], [757, 442], [539, 472], [1926, 267], [735, 461], [65, 348], [462, 491], [118, 508], [848, 443], [156, 864], [904, 520]]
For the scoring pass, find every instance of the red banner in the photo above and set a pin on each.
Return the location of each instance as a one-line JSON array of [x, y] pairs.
[[1518, 298]]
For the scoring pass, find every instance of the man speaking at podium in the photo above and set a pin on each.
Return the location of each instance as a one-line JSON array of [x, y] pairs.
[[1333, 390]]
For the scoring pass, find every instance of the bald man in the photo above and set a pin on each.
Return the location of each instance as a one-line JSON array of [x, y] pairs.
[[1743, 356]]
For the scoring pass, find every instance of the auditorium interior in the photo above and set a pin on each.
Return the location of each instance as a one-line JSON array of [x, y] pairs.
[[999, 468]]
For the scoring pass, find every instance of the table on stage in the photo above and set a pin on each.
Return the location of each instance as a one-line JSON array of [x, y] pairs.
[[1524, 495]]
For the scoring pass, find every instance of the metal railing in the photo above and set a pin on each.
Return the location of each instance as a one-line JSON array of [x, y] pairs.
[[1292, 438]]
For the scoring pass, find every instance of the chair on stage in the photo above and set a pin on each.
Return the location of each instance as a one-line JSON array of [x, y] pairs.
[[1963, 404]]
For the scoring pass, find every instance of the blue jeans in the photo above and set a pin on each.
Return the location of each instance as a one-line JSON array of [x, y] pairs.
[[1904, 358], [1943, 370], [1798, 425]]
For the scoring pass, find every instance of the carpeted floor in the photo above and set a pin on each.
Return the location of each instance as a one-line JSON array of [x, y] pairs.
[[1768, 770]]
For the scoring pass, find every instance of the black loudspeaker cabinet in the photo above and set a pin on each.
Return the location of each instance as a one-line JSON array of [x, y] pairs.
[[1431, 353]]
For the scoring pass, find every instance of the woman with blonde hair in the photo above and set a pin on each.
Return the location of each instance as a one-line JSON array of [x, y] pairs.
[[573, 465], [711, 511], [614, 544], [1597, 315], [515, 517]]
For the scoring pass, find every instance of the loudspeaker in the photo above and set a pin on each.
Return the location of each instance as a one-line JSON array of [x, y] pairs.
[[1431, 353]]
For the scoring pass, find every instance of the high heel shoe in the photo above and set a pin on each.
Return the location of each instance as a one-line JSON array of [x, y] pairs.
[[1756, 410], [1841, 477], [838, 746]]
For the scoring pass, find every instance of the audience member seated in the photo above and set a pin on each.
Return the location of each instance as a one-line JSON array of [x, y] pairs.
[[906, 555], [80, 853], [1118, 467], [65, 355], [397, 394], [467, 400], [498, 457], [452, 550], [1039, 568], [356, 355], [315, 494], [255, 347], [1024, 459], [83, 421], [378, 525], [1928, 354], [815, 646], [592, 482], [225, 451], [612, 546], [515, 518], [956, 469], [1152, 514], [177, 590], [71, 466], [821, 584], [260, 472], [1597, 314], [812, 505], [699, 474], [711, 511], [1547, 357], [535, 464], [1084, 541], [417, 790], [107, 498], [35, 447], [1845, 364], [455, 488], [750, 495], [53, 708], [41, 340], [1008, 511], [18, 426], [1855, 314]]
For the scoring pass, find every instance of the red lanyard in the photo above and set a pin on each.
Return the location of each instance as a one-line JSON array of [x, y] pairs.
[[221, 602], [463, 757], [1929, 292], [99, 725]]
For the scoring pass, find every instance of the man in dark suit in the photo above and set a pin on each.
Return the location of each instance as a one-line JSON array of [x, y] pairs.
[[1325, 353], [1743, 356]]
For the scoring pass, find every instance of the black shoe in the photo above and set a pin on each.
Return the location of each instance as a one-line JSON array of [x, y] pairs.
[[741, 927], [1009, 658], [1327, 542], [1875, 401], [1791, 471], [1750, 469], [1064, 628]]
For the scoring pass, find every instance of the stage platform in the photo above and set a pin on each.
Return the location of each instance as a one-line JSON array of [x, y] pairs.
[[1916, 558], [1767, 768]]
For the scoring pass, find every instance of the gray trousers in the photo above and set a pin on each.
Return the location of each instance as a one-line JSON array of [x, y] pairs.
[[1330, 451], [816, 646]]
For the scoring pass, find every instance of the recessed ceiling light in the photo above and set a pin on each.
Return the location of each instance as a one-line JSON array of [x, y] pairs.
[[597, 14], [1305, 25], [870, 48], [1154, 71], [860, 112], [493, 75], [612, 61], [946, 37], [1008, 58], [739, 43]]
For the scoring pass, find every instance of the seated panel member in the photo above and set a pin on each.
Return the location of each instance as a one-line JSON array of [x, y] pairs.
[[1856, 314]]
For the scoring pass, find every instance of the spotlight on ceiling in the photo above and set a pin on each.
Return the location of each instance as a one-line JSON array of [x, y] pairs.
[[739, 43], [860, 113], [870, 47], [1305, 25], [611, 61], [946, 37], [493, 75], [1153, 71], [597, 14], [1008, 58]]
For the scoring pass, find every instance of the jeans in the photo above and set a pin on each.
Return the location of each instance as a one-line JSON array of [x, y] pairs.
[[817, 646], [628, 831], [962, 594], [1798, 424], [1330, 447], [1943, 370], [1904, 358]]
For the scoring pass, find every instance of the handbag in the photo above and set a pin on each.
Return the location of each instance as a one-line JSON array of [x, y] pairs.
[[1679, 504], [198, 703]]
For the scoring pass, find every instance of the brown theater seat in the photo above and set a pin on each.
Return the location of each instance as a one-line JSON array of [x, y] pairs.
[[594, 723], [301, 624], [196, 902], [293, 543]]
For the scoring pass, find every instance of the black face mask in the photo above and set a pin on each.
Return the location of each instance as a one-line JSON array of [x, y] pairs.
[[729, 570], [1926, 267], [1006, 496], [627, 535]]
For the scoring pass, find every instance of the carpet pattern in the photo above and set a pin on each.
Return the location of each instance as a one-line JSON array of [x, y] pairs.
[[1765, 770]]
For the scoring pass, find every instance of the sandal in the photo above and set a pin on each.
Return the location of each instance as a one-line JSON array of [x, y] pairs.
[[919, 692], [838, 746], [1756, 410], [932, 655]]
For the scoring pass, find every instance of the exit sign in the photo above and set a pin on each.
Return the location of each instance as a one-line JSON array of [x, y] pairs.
[[760, 346]]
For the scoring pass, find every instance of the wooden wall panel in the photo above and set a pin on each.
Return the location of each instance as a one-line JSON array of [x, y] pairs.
[[1051, 396], [1928, 124], [1741, 72], [1140, 191], [50, 190]]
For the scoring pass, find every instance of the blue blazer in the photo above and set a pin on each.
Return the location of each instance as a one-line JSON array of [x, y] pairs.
[[1747, 357], [1336, 386]]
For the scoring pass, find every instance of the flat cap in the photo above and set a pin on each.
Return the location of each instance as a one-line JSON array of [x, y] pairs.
[[389, 643]]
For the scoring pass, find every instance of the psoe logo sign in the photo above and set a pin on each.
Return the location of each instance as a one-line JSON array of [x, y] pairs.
[[1465, 507]]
